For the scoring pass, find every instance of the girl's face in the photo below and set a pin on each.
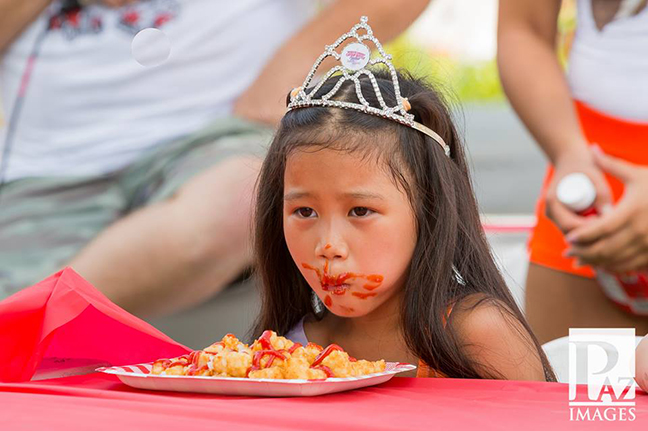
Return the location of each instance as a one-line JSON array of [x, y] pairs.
[[349, 228]]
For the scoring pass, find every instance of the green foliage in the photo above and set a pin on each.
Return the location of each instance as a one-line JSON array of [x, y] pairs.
[[476, 81], [469, 82]]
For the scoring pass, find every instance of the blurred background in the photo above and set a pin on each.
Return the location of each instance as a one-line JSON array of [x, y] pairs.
[[454, 42]]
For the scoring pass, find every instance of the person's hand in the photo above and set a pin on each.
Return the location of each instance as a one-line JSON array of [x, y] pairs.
[[583, 162], [618, 239]]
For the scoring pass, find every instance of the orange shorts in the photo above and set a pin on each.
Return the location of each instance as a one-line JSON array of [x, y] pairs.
[[619, 138]]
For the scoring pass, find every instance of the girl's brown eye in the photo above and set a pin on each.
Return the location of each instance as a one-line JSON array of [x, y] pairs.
[[305, 212], [360, 211]]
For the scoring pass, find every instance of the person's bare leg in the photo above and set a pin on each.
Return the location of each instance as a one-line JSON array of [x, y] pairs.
[[556, 301], [179, 252]]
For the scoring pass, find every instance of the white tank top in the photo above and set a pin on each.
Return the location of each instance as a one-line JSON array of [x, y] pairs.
[[608, 68], [91, 108]]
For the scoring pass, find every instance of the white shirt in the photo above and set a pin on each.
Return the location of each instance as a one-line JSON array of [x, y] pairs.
[[608, 68], [91, 108]]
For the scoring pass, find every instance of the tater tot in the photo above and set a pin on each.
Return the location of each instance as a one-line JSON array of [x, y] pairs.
[[233, 364], [338, 362], [267, 373], [299, 368]]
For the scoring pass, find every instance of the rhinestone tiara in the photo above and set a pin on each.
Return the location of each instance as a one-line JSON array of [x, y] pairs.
[[354, 58]]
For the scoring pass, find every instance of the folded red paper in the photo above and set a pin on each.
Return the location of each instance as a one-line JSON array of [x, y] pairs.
[[64, 322]]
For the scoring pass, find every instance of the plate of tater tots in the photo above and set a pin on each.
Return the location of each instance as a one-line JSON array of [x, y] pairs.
[[271, 366]]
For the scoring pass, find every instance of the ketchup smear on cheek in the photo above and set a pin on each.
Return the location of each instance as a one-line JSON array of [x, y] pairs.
[[335, 284]]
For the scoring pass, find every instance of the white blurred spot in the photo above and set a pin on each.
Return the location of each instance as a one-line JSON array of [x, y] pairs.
[[151, 47]]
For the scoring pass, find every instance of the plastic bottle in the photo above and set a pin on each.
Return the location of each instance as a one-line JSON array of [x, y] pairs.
[[630, 292], [577, 192]]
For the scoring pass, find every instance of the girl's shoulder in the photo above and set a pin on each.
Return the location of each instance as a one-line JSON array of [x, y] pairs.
[[481, 314], [492, 335], [473, 306]]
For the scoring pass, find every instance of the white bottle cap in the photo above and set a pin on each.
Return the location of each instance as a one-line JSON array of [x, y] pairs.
[[576, 191]]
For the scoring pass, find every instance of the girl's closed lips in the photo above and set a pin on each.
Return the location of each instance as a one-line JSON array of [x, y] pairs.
[[339, 284]]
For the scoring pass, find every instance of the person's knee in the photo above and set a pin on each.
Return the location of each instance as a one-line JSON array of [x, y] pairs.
[[216, 211]]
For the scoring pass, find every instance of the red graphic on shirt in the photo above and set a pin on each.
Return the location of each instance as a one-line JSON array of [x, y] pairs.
[[130, 18], [162, 19], [152, 13], [75, 21]]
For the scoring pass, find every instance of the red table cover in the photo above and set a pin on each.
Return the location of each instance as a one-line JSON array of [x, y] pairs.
[[65, 317], [101, 402]]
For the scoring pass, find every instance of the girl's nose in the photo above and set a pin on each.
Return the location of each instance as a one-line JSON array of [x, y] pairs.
[[332, 250]]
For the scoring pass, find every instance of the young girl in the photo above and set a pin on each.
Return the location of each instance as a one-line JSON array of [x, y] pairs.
[[368, 234]]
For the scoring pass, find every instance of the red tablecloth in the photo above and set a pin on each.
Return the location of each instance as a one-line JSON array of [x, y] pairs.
[[101, 402], [64, 322]]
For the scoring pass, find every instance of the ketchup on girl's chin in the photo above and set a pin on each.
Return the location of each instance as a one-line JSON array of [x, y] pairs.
[[336, 284]]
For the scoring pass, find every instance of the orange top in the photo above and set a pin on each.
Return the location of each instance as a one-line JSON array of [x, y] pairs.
[[626, 140], [425, 371]]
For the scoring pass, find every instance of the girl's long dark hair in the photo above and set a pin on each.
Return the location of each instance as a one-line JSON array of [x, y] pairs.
[[452, 262]]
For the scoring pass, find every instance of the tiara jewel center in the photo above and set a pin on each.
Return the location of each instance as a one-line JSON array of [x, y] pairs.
[[355, 56]]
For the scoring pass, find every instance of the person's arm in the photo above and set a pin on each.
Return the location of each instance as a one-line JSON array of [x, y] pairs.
[[265, 100], [537, 88], [15, 16]]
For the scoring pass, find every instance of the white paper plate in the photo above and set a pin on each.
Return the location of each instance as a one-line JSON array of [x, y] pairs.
[[138, 376]]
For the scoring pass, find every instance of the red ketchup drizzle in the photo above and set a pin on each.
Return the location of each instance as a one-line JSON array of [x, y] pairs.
[[317, 363], [330, 349], [194, 359], [328, 301], [193, 370], [180, 360], [264, 340], [363, 295], [324, 368], [190, 359], [256, 360], [294, 347]]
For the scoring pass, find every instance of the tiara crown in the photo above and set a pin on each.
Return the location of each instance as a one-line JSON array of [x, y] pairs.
[[354, 59]]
